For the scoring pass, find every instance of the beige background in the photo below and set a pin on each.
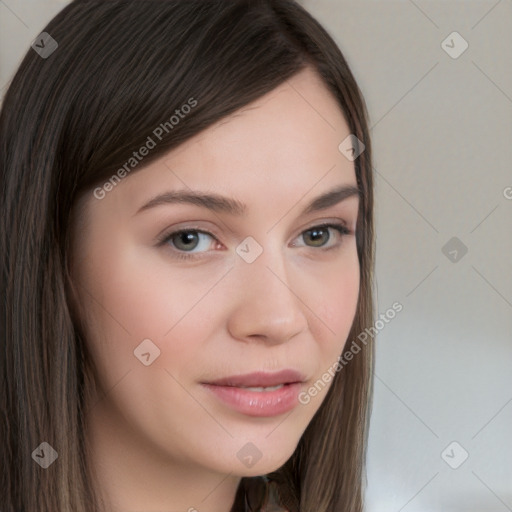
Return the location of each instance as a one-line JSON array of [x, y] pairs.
[[442, 132]]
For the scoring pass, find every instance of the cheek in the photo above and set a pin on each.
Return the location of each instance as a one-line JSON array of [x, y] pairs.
[[133, 295], [335, 300], [334, 310], [130, 299]]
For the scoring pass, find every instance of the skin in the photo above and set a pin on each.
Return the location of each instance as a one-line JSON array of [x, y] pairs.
[[159, 441]]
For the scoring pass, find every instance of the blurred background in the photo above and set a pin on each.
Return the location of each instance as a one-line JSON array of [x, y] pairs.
[[437, 79]]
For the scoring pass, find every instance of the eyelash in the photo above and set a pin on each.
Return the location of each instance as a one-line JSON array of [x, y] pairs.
[[183, 255]]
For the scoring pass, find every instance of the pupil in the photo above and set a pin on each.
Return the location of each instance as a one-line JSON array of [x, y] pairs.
[[316, 234], [186, 238]]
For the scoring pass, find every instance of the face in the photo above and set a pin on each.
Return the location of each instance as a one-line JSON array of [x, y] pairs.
[[179, 294]]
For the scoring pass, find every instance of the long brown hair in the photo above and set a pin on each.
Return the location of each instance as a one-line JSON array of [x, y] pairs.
[[68, 123]]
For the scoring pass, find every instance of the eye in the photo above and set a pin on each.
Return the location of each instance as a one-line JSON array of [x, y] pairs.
[[187, 240], [184, 242], [320, 235]]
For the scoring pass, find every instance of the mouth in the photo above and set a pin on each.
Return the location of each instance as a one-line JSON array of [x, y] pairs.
[[261, 380], [259, 394], [261, 389]]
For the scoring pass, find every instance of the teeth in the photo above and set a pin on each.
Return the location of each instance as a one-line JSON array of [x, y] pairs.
[[271, 388]]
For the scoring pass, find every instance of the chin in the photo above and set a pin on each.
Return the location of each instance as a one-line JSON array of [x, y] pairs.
[[257, 463]]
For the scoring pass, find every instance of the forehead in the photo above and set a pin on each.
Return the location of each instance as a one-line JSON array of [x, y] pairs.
[[285, 140]]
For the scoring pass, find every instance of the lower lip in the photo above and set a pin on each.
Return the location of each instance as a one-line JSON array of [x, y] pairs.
[[258, 403]]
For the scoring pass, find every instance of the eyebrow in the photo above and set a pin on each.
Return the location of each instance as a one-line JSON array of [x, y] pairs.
[[223, 204]]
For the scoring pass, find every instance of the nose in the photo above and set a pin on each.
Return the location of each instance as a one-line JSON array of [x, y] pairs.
[[266, 305]]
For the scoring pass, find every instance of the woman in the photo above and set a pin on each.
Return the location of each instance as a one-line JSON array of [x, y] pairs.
[[138, 374]]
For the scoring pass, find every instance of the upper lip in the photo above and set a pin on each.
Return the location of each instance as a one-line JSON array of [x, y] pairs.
[[261, 379]]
